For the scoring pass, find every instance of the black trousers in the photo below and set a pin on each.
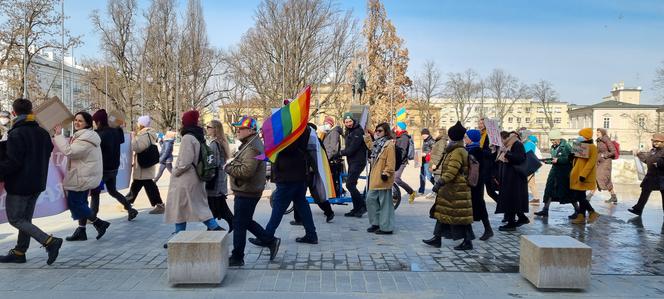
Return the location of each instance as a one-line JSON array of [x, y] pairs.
[[109, 179], [326, 207], [220, 209], [150, 188], [643, 199], [584, 205], [354, 171]]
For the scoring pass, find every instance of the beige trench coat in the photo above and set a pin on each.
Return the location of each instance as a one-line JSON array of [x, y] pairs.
[[139, 143], [187, 198]]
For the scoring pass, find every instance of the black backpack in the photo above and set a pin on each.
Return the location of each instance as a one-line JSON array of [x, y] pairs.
[[148, 157], [398, 157]]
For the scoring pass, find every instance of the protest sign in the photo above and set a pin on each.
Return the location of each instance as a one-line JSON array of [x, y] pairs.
[[493, 131]]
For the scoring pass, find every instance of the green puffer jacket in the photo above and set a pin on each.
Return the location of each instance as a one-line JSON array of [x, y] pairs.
[[453, 202]]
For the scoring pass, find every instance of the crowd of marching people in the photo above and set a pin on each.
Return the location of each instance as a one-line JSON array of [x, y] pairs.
[[463, 165]]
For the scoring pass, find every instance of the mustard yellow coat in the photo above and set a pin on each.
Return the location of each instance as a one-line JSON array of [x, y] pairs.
[[585, 168], [383, 165]]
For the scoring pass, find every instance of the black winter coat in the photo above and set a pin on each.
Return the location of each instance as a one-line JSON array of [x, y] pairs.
[[355, 150], [654, 179], [292, 164], [403, 142], [25, 166], [477, 192], [111, 139], [513, 188]]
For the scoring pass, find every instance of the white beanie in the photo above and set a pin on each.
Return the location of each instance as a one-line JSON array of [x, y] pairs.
[[144, 121]]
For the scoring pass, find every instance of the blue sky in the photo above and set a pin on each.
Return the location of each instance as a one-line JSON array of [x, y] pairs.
[[581, 46]]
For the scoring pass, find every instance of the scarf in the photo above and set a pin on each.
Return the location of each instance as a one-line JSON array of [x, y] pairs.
[[483, 138], [377, 148], [196, 131], [22, 117], [472, 145], [506, 148]]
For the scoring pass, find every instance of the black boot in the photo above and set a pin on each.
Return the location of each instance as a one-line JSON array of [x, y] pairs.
[[13, 256], [100, 226], [435, 241], [78, 235], [235, 262], [543, 213], [573, 216], [53, 249], [465, 245], [132, 213], [488, 233]]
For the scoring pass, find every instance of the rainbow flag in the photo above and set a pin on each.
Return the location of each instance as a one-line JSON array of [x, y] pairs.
[[286, 125], [401, 118], [323, 184]]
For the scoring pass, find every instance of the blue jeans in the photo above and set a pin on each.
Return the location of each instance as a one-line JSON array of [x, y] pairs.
[[77, 201], [283, 195], [425, 175], [243, 221], [210, 223]]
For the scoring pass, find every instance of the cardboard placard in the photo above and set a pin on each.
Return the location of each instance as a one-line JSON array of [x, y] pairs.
[[581, 150], [53, 112], [360, 114], [493, 131]]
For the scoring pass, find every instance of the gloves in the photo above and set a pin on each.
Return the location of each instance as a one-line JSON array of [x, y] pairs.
[[437, 186], [335, 156], [582, 179], [383, 177]]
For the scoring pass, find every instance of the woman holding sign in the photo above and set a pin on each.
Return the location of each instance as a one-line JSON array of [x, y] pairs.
[[84, 172]]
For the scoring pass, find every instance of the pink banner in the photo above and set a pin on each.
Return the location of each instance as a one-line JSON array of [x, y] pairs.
[[52, 201]]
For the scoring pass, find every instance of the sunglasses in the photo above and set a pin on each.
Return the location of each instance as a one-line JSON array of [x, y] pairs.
[[379, 131]]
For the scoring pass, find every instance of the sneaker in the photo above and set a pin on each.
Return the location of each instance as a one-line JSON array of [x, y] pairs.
[[307, 240], [235, 262], [592, 217], [158, 209], [373, 228], [274, 248], [580, 219], [411, 198], [53, 249], [12, 257], [132, 213]]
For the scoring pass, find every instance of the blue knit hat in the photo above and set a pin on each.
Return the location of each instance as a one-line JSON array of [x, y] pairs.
[[474, 135]]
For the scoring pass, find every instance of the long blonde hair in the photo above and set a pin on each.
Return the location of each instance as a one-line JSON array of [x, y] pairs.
[[220, 136]]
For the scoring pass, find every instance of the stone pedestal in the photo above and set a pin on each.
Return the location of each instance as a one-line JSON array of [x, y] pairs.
[[559, 262], [199, 257]]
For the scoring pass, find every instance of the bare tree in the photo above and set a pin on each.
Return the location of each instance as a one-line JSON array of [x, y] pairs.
[[544, 94], [29, 27], [659, 79], [505, 90], [641, 123], [427, 85], [463, 89], [292, 44], [117, 29]]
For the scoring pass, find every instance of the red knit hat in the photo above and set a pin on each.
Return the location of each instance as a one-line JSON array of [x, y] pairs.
[[329, 120], [190, 118], [101, 117]]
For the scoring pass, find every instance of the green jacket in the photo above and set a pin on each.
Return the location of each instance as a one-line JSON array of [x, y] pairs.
[[557, 183], [247, 173], [453, 202]]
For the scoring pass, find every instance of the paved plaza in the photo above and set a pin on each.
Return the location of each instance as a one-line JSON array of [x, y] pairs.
[[628, 257]]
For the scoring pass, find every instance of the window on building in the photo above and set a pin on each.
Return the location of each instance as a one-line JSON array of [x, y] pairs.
[[509, 120], [607, 123], [527, 110], [518, 120], [540, 120], [557, 120], [540, 110], [642, 122], [527, 120]]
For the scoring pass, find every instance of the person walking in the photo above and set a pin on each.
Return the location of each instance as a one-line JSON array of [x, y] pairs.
[[187, 199], [584, 178], [217, 189], [111, 139], [290, 173], [512, 185], [382, 161], [145, 137], [437, 153], [557, 183], [24, 169], [427, 144], [403, 142], [356, 155], [606, 152], [488, 169], [453, 209], [332, 135], [472, 142], [166, 155], [530, 145], [248, 182], [84, 172], [654, 179]]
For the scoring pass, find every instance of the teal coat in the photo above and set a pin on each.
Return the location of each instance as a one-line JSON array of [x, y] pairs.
[[557, 184]]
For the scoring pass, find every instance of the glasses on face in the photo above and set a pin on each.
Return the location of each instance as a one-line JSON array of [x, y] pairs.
[[379, 131]]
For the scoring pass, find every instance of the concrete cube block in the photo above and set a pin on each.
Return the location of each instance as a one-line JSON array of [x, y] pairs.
[[198, 257], [558, 262]]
